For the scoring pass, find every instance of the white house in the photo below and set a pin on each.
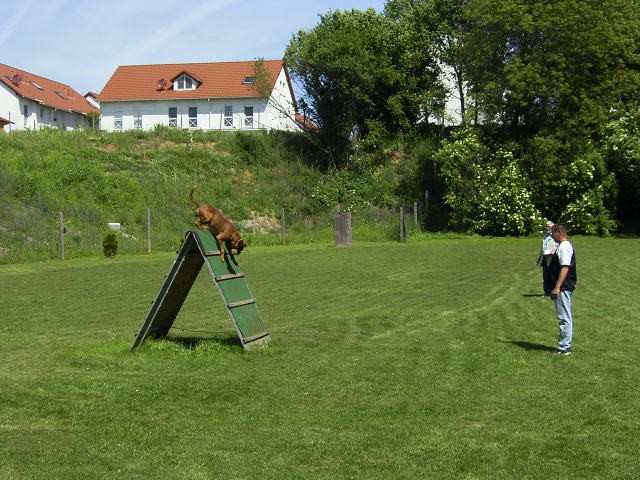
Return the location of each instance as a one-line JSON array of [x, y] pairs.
[[29, 101], [250, 95]]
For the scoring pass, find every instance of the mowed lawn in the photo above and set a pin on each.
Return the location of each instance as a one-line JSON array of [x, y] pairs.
[[419, 360]]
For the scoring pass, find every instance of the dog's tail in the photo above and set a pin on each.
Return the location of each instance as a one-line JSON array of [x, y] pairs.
[[195, 202]]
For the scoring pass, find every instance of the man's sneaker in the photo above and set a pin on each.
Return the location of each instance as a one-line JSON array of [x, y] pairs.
[[565, 353]]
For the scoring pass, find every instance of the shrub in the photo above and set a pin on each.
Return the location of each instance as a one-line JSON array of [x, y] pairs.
[[110, 245]]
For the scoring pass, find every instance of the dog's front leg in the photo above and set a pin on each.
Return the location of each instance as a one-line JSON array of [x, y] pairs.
[[199, 225], [220, 243]]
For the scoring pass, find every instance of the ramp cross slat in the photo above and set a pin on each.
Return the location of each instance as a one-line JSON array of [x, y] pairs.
[[197, 250]]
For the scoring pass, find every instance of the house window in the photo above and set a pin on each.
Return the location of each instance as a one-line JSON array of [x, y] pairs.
[[193, 117], [228, 116], [248, 117], [249, 80], [117, 122], [25, 109], [184, 82], [137, 121], [173, 116]]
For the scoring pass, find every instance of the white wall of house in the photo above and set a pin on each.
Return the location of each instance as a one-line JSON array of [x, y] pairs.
[[27, 114], [280, 109], [208, 114], [453, 105]]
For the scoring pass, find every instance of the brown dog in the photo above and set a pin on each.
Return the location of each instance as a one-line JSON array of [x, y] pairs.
[[220, 226]]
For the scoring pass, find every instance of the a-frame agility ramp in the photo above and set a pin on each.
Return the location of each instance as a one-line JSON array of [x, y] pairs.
[[200, 248]]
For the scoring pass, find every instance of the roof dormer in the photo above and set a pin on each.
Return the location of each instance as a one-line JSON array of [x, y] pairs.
[[184, 81]]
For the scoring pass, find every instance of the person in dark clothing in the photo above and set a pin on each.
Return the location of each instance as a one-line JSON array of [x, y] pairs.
[[547, 251]]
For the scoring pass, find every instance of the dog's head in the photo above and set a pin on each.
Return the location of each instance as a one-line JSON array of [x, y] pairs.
[[237, 247]]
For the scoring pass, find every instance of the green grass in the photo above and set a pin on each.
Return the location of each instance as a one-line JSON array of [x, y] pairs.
[[420, 360]]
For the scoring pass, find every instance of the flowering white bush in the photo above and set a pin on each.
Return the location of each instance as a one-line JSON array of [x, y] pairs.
[[504, 200], [487, 193]]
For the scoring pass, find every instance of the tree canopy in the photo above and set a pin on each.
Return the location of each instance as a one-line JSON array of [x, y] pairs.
[[548, 85]]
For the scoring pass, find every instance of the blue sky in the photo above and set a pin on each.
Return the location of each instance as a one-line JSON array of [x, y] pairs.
[[81, 42]]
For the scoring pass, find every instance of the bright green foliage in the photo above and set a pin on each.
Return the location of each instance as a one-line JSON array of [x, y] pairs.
[[490, 193], [587, 214]]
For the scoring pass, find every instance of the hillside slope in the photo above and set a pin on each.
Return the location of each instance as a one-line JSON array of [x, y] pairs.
[[94, 178]]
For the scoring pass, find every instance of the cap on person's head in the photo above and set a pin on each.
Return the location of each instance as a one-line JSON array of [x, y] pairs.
[[549, 223]]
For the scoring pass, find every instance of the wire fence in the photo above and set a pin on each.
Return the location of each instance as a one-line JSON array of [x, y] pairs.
[[80, 234]]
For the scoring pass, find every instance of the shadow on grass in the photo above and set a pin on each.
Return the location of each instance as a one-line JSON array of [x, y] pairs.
[[191, 343], [530, 346], [527, 295]]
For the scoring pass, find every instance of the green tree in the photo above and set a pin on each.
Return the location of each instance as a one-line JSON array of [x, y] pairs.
[[352, 70], [344, 68], [432, 33], [537, 66]]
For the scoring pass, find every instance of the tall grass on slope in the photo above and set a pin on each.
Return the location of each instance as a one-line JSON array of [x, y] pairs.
[[94, 178]]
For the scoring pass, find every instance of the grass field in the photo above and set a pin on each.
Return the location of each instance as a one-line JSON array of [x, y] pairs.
[[421, 360]]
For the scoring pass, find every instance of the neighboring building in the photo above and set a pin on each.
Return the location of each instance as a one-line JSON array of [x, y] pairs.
[[204, 96], [92, 98], [29, 101], [4, 122]]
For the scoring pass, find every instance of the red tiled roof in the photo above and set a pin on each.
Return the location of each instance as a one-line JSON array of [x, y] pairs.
[[306, 122], [218, 80], [4, 121], [43, 90]]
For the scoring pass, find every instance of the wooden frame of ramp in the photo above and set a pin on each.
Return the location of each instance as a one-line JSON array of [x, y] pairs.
[[200, 248]]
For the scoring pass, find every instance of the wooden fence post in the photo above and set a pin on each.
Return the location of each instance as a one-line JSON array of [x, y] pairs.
[[148, 230], [403, 228], [284, 230], [343, 229], [61, 233]]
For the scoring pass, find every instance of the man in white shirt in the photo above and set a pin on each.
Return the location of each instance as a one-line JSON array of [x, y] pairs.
[[563, 271]]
